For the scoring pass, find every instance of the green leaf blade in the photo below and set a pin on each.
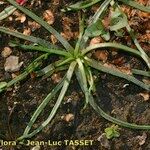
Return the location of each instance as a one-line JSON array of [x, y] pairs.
[[115, 72], [43, 23], [55, 108], [7, 12]]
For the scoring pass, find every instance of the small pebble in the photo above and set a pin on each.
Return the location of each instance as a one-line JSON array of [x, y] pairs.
[[146, 96], [6, 52], [12, 64], [104, 141], [141, 139], [49, 17], [68, 117]]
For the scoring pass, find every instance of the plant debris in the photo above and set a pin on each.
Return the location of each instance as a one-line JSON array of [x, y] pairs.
[[12, 64]]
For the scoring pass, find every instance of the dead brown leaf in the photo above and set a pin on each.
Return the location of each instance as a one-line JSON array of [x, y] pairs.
[[20, 17], [96, 40], [33, 25], [69, 117], [101, 55], [142, 139], [49, 16], [146, 96], [27, 31], [6, 52], [53, 39], [56, 77]]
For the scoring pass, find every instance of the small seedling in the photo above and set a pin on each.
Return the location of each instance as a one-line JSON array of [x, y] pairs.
[[112, 132]]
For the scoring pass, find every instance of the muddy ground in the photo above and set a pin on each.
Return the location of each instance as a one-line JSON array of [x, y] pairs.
[[116, 96]]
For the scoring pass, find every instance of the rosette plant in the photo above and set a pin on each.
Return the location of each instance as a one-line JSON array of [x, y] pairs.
[[75, 60]]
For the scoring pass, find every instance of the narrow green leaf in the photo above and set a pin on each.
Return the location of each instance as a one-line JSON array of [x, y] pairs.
[[118, 20], [56, 66], [27, 37], [93, 20], [90, 79], [114, 120], [115, 72], [103, 7], [43, 105], [2, 86], [58, 69], [81, 5], [112, 45], [102, 113], [56, 106], [141, 72], [23, 75], [42, 49], [7, 12], [83, 77], [43, 23], [136, 5], [143, 54], [95, 29], [81, 31]]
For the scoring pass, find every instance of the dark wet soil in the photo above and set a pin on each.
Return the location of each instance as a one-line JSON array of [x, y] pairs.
[[18, 104]]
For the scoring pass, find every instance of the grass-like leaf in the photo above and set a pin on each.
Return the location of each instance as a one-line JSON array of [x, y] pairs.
[[93, 20], [81, 5], [27, 37], [105, 115], [114, 120], [50, 68], [55, 108], [141, 72], [36, 63], [134, 4], [7, 12], [84, 80], [143, 54], [43, 105], [42, 49], [115, 72], [42, 23], [81, 31], [112, 45]]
